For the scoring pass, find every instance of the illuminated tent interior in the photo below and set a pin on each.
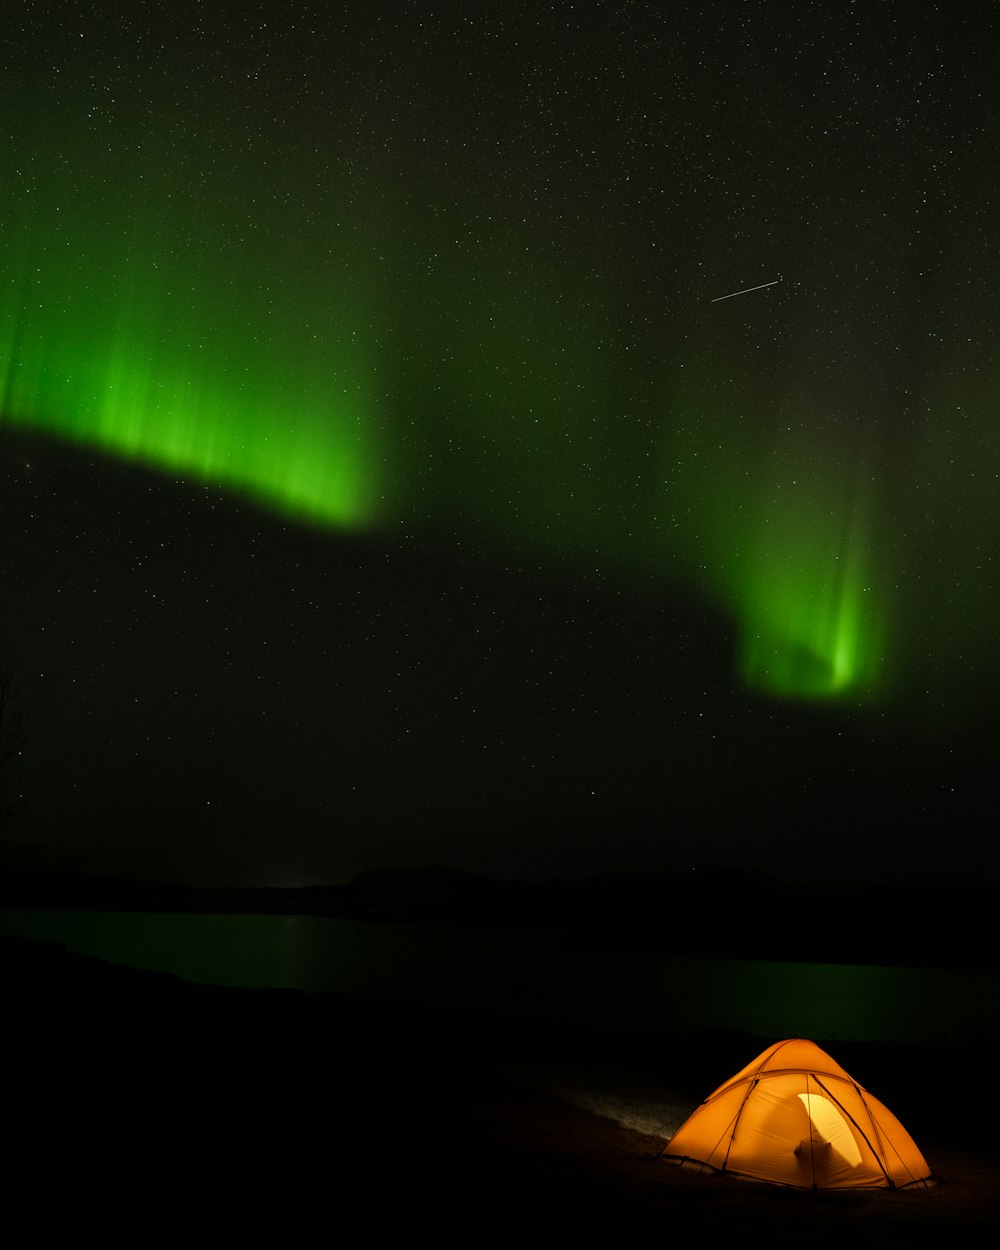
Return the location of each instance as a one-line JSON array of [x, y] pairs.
[[794, 1117]]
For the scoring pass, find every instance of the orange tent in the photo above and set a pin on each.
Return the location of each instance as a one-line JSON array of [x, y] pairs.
[[795, 1117]]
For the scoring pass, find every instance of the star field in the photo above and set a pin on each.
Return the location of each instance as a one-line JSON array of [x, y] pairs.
[[384, 477]]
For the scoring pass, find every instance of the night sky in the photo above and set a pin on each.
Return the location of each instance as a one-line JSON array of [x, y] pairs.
[[385, 478]]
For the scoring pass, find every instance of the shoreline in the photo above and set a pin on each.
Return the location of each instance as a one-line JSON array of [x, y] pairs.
[[337, 1103], [713, 912]]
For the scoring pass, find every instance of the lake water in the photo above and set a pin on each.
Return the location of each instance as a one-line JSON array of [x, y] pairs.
[[540, 975]]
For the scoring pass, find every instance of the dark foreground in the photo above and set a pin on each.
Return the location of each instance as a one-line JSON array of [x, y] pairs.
[[136, 1102]]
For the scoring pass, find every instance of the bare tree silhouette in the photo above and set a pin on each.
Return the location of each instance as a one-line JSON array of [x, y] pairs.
[[12, 779]]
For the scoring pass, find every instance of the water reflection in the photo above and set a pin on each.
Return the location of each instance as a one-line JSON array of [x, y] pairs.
[[537, 974]]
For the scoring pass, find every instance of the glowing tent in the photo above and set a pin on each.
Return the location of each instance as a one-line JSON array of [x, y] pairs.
[[793, 1116]]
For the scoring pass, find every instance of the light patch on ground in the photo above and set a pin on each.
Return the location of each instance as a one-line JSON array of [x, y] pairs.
[[652, 1112]]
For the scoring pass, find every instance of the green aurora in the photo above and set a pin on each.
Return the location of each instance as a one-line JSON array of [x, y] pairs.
[[773, 519], [369, 312], [809, 627], [167, 369], [505, 425]]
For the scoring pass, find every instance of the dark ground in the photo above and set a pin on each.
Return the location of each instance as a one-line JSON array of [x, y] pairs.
[[134, 1096]]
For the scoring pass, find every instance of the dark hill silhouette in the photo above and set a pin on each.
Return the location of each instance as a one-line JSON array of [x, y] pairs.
[[713, 910]]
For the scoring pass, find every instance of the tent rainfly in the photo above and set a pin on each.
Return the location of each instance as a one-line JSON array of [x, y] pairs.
[[795, 1117]]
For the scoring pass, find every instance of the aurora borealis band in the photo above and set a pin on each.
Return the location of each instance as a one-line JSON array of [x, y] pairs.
[[617, 384], [169, 362], [807, 628]]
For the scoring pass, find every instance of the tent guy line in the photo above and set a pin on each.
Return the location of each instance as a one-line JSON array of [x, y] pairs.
[[746, 291]]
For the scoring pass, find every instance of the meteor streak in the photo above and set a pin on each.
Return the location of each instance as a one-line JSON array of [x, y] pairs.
[[746, 291]]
